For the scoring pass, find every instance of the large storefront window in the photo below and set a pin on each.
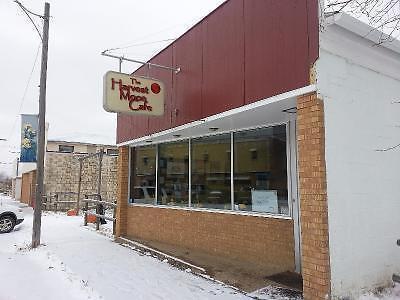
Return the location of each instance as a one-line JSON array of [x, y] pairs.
[[173, 174], [260, 170], [259, 175], [211, 172], [143, 175]]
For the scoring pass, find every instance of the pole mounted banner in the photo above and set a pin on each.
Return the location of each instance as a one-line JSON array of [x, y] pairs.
[[124, 93]]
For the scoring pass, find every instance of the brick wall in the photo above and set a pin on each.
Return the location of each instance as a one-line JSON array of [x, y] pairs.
[[258, 241], [28, 188], [313, 197], [122, 191], [62, 174]]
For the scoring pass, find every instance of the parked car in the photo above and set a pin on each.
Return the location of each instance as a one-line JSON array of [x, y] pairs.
[[10, 216]]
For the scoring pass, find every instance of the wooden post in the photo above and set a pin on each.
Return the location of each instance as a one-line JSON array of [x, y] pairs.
[[114, 216], [86, 211], [56, 203], [79, 186]]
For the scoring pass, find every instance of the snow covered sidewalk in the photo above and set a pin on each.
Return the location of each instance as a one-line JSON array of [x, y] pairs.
[[75, 262], [78, 263]]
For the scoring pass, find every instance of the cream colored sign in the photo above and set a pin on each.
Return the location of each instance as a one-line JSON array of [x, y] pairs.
[[124, 93]]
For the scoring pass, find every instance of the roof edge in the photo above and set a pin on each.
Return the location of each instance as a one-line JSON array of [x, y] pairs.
[[363, 30]]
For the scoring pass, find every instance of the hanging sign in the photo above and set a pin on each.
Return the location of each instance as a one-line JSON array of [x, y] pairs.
[[29, 132], [124, 93]]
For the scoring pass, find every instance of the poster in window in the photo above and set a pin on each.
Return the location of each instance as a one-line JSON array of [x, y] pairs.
[[264, 200]]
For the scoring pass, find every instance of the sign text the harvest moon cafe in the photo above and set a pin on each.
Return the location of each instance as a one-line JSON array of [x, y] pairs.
[[129, 94]]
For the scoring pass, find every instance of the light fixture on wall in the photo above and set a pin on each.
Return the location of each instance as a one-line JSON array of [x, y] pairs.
[[213, 128], [176, 135], [291, 110]]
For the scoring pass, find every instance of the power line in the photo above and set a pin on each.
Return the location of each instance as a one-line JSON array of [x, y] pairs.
[[27, 12], [25, 91], [140, 44]]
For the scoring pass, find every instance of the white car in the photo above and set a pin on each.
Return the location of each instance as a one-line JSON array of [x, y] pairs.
[[10, 216]]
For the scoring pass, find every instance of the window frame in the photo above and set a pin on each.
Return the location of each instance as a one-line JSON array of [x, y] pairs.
[[226, 211], [68, 146]]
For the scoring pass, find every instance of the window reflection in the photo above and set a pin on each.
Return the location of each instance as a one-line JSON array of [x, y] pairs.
[[143, 168], [173, 174], [211, 172], [260, 170]]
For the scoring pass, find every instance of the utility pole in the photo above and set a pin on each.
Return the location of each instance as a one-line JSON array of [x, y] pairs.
[[37, 214]]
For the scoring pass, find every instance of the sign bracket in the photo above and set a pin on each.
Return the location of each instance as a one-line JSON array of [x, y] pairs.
[[148, 64]]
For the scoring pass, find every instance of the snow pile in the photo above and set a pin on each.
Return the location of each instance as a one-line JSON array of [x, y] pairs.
[[387, 294]]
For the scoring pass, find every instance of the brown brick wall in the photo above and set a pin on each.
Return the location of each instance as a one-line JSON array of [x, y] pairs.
[[313, 197], [259, 241], [28, 188], [122, 191]]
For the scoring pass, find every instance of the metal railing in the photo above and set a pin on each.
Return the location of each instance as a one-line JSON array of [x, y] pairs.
[[99, 205]]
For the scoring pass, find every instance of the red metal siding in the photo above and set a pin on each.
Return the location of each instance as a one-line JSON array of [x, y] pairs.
[[244, 51], [276, 47], [163, 122], [187, 92], [223, 64]]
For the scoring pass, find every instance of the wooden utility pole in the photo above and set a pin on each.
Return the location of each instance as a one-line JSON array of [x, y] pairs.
[[37, 214]]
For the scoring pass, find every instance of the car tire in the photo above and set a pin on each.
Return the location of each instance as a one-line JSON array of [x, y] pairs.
[[7, 223]]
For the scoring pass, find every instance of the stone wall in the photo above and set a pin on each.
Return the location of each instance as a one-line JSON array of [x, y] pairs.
[[62, 174]]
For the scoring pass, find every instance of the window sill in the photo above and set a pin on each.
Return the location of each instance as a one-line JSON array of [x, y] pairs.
[[218, 211]]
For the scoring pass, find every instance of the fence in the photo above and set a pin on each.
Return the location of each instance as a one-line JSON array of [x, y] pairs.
[[100, 211], [60, 201]]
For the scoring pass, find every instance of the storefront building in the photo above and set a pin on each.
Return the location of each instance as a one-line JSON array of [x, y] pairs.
[[243, 164]]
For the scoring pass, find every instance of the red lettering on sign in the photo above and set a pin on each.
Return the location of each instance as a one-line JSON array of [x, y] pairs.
[[136, 102]]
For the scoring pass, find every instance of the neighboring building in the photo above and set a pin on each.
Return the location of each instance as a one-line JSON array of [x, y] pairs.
[[62, 168], [5, 185], [20, 169], [28, 188], [61, 171], [268, 152]]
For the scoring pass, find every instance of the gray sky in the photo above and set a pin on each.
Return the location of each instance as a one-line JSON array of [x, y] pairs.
[[79, 31]]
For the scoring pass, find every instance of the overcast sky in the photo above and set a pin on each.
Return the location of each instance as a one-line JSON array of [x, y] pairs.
[[79, 31]]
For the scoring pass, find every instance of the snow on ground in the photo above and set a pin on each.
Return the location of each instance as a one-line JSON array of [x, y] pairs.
[[78, 263], [386, 294]]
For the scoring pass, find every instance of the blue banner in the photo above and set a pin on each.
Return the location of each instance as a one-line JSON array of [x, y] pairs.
[[29, 137]]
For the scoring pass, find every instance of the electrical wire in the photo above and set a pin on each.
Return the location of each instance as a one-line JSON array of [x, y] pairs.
[[27, 12], [25, 91], [139, 44]]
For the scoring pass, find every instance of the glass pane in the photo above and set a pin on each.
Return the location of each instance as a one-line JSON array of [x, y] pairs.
[[260, 170], [173, 174], [143, 175], [211, 167]]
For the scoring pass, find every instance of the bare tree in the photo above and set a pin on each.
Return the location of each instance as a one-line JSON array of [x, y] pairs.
[[382, 15]]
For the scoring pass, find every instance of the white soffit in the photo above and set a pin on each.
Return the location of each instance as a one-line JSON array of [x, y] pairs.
[[265, 112]]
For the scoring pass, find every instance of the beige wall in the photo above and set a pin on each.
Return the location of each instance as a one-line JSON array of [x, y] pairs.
[[62, 174]]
